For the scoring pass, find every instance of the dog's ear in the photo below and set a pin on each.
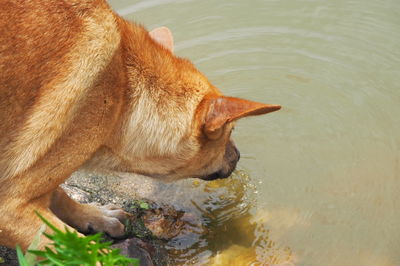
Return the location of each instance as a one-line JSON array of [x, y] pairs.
[[222, 110], [163, 36]]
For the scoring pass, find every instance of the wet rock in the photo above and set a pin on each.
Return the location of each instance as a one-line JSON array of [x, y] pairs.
[[148, 252], [161, 225], [135, 248], [8, 257], [154, 223], [164, 222], [150, 226]]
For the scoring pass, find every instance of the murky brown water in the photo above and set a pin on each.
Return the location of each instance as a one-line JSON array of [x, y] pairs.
[[319, 182]]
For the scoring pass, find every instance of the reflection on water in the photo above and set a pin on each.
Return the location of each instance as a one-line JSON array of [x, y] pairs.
[[230, 229], [218, 220], [323, 181]]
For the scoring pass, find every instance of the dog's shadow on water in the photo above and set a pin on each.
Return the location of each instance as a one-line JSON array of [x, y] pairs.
[[219, 216]]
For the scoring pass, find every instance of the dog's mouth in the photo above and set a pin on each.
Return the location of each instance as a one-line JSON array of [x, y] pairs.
[[218, 175], [226, 171]]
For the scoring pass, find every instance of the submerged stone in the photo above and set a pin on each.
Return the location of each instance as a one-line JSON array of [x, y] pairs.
[[150, 252]]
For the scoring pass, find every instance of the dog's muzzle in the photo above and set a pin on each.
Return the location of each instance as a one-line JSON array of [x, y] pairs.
[[232, 156]]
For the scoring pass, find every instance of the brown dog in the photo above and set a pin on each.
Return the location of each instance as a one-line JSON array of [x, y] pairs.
[[82, 87]]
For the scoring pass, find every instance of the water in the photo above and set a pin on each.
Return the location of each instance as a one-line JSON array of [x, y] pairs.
[[318, 182]]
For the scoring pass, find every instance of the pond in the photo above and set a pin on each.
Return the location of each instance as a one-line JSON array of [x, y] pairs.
[[319, 181]]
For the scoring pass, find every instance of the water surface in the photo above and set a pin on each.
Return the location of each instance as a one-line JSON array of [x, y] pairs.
[[318, 182]]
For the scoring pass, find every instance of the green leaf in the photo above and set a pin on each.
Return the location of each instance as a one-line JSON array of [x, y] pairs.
[[21, 259], [68, 248], [144, 205]]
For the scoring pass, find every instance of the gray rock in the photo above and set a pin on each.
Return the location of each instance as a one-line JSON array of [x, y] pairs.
[[9, 257], [161, 220]]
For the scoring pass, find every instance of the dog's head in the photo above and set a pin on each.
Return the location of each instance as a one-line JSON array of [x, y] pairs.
[[176, 124]]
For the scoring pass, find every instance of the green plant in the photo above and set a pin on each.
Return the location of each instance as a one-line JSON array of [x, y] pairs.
[[137, 205], [136, 227], [21, 259], [68, 248]]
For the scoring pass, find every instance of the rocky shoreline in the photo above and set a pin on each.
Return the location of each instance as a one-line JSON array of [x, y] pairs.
[[152, 224]]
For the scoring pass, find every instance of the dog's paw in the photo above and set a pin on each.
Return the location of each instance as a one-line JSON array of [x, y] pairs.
[[109, 219]]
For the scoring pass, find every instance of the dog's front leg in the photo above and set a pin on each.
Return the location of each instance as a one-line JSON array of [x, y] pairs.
[[19, 224], [86, 217]]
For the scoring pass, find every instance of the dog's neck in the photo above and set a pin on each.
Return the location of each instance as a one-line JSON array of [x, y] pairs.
[[144, 58], [153, 75]]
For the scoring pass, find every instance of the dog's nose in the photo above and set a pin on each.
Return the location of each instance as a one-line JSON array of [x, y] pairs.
[[237, 153]]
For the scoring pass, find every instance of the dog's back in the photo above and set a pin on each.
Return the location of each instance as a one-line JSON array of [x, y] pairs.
[[51, 53], [29, 39]]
